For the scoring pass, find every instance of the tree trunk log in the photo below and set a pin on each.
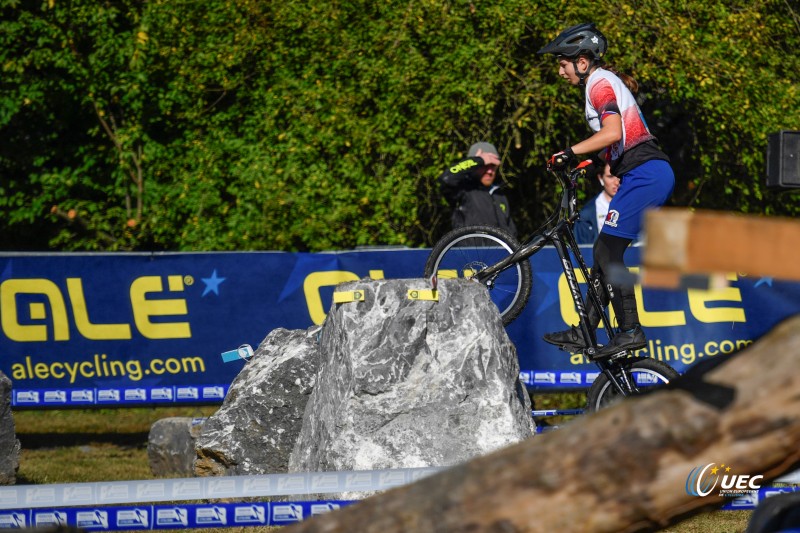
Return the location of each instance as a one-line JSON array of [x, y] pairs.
[[622, 469]]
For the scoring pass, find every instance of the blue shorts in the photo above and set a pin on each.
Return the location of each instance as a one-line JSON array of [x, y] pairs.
[[647, 186]]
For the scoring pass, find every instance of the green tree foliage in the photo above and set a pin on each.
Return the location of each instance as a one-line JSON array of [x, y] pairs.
[[136, 125]]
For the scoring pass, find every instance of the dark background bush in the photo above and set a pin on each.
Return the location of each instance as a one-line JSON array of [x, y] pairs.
[[134, 125]]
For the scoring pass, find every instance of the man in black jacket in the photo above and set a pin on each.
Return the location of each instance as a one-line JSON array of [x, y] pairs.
[[469, 188]]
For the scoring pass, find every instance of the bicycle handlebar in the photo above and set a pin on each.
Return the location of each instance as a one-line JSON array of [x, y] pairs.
[[571, 176], [568, 178]]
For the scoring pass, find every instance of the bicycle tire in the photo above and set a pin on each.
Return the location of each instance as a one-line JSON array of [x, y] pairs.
[[467, 250], [646, 371]]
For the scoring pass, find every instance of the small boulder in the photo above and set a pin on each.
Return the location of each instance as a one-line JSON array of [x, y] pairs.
[[9, 444], [255, 429], [170, 446]]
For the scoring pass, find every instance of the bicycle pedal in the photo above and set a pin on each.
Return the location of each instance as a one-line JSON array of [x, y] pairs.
[[613, 357], [619, 355], [597, 348], [572, 348]]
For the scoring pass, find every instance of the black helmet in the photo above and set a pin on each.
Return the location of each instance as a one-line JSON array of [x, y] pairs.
[[581, 39]]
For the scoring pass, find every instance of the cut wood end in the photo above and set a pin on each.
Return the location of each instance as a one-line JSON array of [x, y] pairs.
[[709, 242]]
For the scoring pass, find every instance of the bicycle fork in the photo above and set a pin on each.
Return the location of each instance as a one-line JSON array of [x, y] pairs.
[[619, 375]]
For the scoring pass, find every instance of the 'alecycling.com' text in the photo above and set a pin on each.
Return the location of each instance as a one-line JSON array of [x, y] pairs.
[[686, 353], [100, 366]]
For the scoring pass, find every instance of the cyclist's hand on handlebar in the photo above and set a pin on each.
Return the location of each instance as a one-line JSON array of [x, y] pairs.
[[561, 160]]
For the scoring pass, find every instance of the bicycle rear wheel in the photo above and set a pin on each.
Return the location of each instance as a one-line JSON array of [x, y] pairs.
[[466, 251], [646, 373]]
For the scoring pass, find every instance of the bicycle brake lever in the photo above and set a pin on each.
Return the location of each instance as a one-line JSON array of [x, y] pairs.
[[580, 170]]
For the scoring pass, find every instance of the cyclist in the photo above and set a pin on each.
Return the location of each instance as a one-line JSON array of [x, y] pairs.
[[646, 177]]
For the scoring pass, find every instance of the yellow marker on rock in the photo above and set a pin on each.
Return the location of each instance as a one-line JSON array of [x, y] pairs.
[[423, 294], [344, 297]]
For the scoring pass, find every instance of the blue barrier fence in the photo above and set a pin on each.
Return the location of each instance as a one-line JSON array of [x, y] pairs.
[[174, 516], [161, 504], [218, 515], [141, 329]]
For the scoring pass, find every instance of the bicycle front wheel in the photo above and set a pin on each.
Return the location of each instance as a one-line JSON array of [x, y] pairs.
[[645, 373], [466, 251]]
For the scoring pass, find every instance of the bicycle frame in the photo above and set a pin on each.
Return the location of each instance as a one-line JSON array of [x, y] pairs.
[[560, 235]]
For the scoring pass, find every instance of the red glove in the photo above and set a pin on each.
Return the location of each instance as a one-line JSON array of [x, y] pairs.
[[561, 160]]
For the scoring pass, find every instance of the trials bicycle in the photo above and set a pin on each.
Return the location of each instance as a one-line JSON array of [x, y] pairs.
[[494, 258]]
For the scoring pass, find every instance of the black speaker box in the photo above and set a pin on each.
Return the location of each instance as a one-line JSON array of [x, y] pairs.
[[783, 159]]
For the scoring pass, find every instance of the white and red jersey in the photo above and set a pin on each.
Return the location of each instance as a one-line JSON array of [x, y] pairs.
[[606, 94]]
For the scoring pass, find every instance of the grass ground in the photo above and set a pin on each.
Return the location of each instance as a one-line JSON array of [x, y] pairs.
[[72, 446]]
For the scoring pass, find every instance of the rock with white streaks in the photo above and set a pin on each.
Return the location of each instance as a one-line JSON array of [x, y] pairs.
[[411, 383], [256, 427], [387, 382]]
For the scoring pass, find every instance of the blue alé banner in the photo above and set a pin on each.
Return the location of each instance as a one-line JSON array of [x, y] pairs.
[[128, 329]]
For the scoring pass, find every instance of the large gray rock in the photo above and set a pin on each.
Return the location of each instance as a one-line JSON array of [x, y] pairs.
[[9, 445], [410, 383], [170, 445], [259, 421]]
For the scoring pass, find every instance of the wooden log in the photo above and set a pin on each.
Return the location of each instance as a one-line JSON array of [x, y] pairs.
[[622, 469], [681, 242]]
